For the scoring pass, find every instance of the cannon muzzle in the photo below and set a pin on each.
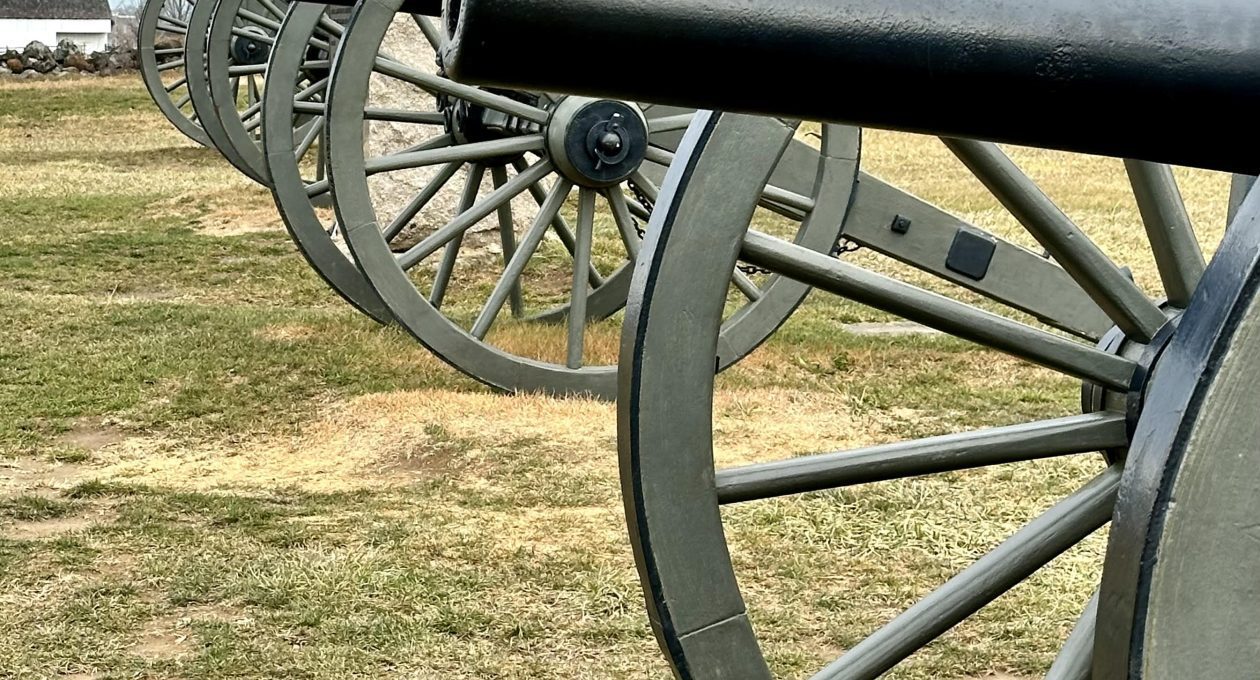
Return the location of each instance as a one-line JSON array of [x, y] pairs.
[[1175, 81]]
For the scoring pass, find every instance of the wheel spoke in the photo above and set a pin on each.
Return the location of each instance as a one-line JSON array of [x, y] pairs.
[[253, 110], [271, 7], [507, 236], [1076, 659], [1113, 291], [177, 84], [442, 143], [777, 199], [430, 31], [659, 156], [646, 185], [1046, 537], [421, 199], [255, 18], [746, 286], [311, 90], [937, 311], [439, 142], [404, 116], [308, 140], [309, 108], [330, 27], [772, 197], [560, 225], [510, 279], [474, 214], [1176, 250], [625, 223], [932, 455], [171, 65], [1239, 188], [173, 21], [250, 69], [264, 39], [475, 95], [581, 264], [472, 185], [475, 151], [670, 123]]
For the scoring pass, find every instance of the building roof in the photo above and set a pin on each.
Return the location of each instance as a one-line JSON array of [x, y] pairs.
[[55, 9]]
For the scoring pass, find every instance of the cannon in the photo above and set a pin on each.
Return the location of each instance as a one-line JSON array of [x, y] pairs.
[[276, 126], [281, 136], [1161, 392], [420, 300]]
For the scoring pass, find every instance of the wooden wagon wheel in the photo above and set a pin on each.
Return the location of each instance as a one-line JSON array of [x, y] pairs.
[[546, 149], [674, 494], [162, 33], [243, 40], [299, 73], [237, 54]]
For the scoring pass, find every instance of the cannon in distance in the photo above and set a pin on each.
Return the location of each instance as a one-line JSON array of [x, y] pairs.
[[1175, 81]]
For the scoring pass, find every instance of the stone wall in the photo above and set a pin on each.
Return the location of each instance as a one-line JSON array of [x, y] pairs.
[[37, 59]]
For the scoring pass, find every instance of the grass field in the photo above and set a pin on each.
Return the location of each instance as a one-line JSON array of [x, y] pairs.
[[211, 467]]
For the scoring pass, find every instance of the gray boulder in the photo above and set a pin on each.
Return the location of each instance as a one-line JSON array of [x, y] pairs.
[[77, 61], [13, 61], [65, 49], [42, 66], [37, 51], [127, 59], [102, 62]]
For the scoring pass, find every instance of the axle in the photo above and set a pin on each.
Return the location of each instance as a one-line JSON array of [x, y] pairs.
[[1174, 81]]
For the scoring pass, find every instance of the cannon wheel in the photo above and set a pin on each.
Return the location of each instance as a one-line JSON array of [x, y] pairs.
[[532, 156], [296, 162], [246, 130], [252, 27], [1179, 590], [160, 21], [674, 494]]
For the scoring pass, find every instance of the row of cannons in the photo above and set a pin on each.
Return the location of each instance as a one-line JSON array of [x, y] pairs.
[[704, 231]]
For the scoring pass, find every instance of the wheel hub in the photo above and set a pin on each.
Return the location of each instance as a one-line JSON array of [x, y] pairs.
[[1096, 398], [597, 142], [249, 51]]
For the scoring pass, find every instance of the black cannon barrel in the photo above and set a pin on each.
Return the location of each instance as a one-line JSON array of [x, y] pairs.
[[1176, 81]]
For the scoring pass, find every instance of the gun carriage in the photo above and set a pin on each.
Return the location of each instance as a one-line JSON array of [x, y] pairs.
[[522, 98], [1159, 392]]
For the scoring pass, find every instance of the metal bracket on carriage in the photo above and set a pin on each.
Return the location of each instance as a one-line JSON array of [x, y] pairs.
[[469, 122]]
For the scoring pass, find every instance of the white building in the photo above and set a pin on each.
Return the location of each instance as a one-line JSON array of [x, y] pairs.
[[85, 22]]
